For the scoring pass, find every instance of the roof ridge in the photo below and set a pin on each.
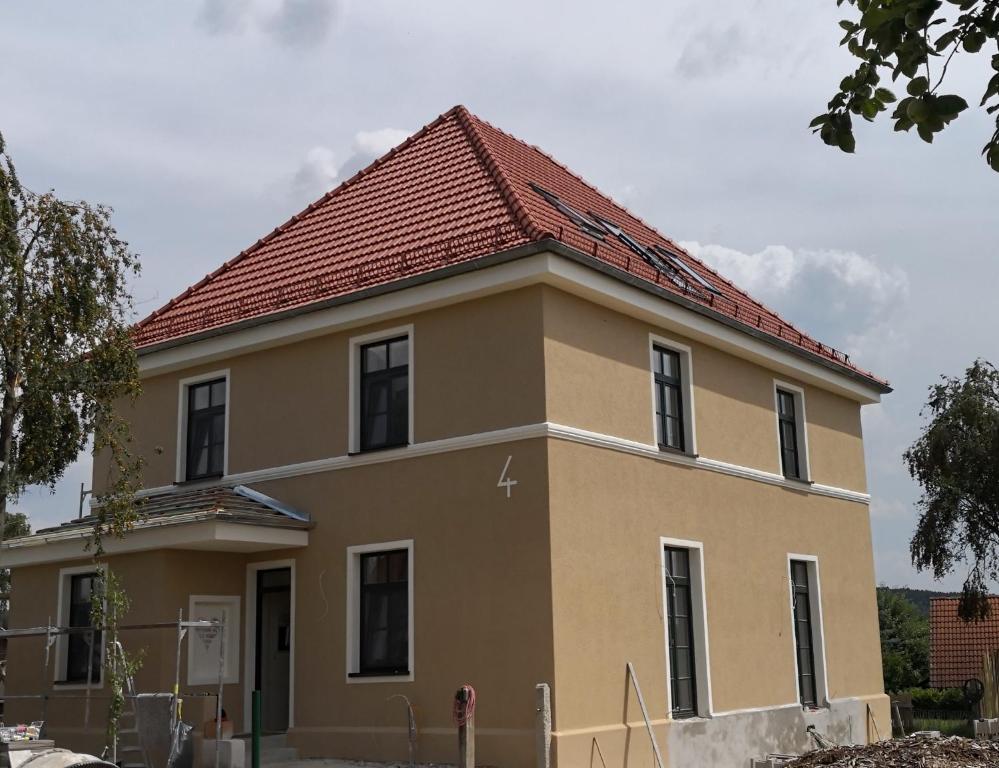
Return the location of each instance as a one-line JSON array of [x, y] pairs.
[[523, 219], [643, 222], [294, 219]]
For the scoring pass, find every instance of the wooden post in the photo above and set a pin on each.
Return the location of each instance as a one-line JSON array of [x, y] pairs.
[[543, 725], [466, 731]]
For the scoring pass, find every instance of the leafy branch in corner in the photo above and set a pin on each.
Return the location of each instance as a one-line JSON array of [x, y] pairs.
[[914, 40]]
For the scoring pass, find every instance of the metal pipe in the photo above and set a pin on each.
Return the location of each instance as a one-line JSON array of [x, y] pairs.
[[255, 759]]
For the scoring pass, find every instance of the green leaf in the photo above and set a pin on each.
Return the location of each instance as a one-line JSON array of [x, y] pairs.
[[991, 90], [925, 133], [974, 41], [995, 62], [918, 110], [949, 105], [870, 109], [848, 25], [917, 86], [903, 124], [993, 158], [884, 95], [946, 39], [846, 141]]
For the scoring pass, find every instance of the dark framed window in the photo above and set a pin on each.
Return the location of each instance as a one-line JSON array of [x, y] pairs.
[[787, 425], [669, 398], [803, 637], [680, 629], [206, 404], [384, 394], [384, 619], [82, 648]]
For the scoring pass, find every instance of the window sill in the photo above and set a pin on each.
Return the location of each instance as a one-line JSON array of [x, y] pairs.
[[676, 451], [386, 673], [379, 449], [196, 481], [357, 678], [799, 481], [80, 685]]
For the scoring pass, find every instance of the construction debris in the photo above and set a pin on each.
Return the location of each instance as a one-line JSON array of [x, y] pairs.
[[922, 751]]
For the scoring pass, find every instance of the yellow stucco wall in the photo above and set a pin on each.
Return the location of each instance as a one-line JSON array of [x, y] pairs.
[[563, 582], [478, 366], [608, 512], [598, 378]]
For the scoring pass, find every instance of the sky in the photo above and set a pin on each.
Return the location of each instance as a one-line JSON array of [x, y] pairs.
[[206, 123]]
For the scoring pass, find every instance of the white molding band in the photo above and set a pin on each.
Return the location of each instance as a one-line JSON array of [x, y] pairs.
[[526, 432]]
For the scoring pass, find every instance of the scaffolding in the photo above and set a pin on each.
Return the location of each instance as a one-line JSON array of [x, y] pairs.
[[51, 633]]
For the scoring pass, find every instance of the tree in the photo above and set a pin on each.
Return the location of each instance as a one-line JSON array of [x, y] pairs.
[[66, 354], [905, 642], [956, 461], [915, 40], [16, 525], [66, 360]]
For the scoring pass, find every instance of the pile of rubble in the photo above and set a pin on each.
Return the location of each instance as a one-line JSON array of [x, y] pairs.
[[921, 751]]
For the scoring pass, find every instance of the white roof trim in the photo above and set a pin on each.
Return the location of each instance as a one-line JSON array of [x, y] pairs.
[[546, 268]]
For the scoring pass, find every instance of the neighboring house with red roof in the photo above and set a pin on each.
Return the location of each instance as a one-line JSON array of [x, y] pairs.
[[465, 419], [958, 647]]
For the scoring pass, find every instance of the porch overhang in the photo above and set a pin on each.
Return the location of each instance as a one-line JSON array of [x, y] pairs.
[[236, 519]]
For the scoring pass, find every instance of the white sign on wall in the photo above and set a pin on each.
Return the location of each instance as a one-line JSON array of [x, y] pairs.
[[204, 644]]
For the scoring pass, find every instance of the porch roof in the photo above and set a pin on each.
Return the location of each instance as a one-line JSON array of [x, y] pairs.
[[235, 519]]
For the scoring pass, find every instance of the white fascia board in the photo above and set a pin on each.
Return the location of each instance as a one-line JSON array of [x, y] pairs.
[[213, 535], [547, 267]]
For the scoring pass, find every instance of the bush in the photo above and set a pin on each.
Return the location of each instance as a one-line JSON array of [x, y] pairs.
[[938, 698]]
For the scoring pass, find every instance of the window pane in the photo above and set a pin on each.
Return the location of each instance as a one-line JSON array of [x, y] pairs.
[[384, 640], [671, 364], [200, 397], [374, 358], [218, 393], [399, 353]]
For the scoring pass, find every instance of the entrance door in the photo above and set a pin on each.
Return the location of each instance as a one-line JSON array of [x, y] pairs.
[[273, 647]]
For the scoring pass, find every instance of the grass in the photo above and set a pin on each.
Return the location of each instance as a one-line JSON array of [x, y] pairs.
[[946, 727]]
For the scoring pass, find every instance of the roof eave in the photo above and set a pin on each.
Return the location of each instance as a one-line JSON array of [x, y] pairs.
[[547, 244]]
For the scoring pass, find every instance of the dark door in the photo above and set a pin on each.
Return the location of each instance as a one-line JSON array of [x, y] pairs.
[[274, 640]]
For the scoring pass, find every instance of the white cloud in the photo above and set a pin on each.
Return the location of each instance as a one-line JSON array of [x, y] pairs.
[[316, 174], [294, 23], [844, 298], [319, 171]]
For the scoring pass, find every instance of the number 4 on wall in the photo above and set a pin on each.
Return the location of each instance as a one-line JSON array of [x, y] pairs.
[[504, 481]]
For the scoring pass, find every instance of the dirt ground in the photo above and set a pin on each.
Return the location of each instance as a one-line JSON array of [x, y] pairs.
[[912, 752]]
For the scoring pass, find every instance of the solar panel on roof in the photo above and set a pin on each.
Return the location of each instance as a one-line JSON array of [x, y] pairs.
[[674, 259], [588, 227]]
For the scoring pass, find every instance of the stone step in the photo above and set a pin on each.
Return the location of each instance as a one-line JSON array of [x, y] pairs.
[[278, 755]]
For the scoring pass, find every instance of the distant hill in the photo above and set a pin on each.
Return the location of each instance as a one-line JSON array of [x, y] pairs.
[[919, 597]]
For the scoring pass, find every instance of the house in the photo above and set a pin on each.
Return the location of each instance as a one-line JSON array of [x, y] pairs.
[[465, 419], [957, 647]]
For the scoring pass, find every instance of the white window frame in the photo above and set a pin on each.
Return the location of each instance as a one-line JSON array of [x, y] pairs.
[[354, 611], [184, 389], [231, 671], [250, 656], [800, 426], [702, 654], [62, 641], [686, 384], [818, 630], [354, 374]]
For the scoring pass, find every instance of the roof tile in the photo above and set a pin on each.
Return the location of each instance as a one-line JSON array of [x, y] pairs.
[[957, 647], [456, 190]]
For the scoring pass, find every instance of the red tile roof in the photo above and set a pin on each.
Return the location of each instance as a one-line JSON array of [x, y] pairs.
[[957, 648], [457, 190]]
